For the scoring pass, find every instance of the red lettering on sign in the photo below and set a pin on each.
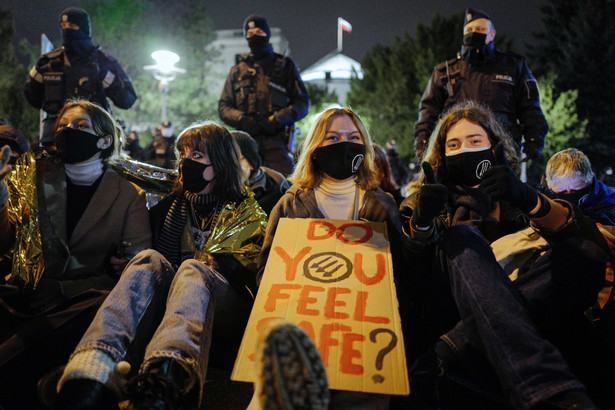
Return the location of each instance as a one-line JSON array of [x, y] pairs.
[[305, 299], [360, 308], [275, 293], [366, 237], [349, 353], [327, 341], [311, 234], [332, 302], [380, 269], [290, 263], [308, 328]]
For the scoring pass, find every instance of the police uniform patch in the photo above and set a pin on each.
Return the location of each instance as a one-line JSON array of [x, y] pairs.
[[251, 24], [504, 78], [64, 17]]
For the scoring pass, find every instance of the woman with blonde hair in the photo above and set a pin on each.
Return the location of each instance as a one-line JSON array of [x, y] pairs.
[[335, 178]]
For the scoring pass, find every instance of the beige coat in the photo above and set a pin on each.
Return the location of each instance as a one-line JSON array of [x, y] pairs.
[[116, 213]]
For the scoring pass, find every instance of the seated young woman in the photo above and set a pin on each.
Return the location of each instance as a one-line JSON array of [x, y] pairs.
[[196, 283]]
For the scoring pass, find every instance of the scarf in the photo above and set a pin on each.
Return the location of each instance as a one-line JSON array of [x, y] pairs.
[[184, 206]]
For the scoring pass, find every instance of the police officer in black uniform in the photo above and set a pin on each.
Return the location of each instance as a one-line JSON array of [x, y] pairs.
[[502, 81], [264, 96], [78, 69]]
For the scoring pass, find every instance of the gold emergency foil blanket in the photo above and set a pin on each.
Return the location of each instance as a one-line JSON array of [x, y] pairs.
[[148, 177], [28, 263], [239, 231]]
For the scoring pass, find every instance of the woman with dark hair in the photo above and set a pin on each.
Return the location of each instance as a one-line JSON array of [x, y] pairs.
[[61, 226], [207, 235], [465, 304]]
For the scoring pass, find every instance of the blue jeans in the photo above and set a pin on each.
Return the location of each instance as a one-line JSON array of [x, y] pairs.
[[496, 319], [186, 300]]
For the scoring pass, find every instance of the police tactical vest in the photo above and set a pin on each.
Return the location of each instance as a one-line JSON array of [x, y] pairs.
[[261, 92], [63, 80]]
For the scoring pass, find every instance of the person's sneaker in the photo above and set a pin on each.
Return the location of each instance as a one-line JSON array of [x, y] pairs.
[[291, 374], [85, 394], [159, 388], [575, 399]]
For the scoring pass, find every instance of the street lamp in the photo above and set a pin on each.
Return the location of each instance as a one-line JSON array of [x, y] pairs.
[[164, 71]]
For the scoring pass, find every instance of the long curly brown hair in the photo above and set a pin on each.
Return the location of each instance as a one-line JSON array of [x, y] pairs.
[[477, 114]]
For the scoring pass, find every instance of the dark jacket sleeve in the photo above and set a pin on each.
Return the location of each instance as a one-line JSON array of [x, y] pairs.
[[299, 100], [227, 106], [116, 83], [430, 107], [34, 89], [529, 113]]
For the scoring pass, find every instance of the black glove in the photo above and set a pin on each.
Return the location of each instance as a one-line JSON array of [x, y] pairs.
[[48, 293], [248, 124], [432, 198], [501, 183], [5, 169], [269, 125], [532, 148]]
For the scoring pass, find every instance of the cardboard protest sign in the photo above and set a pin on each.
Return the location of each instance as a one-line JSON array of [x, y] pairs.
[[334, 279]]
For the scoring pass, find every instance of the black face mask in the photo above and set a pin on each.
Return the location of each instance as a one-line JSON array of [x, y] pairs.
[[467, 168], [191, 175], [76, 41], [474, 46], [75, 145], [341, 160], [259, 46], [573, 197]]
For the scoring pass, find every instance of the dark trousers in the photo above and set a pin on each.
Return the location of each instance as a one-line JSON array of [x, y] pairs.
[[471, 301], [34, 344]]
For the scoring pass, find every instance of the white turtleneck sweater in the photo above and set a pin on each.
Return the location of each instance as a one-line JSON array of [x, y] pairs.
[[336, 199], [85, 173]]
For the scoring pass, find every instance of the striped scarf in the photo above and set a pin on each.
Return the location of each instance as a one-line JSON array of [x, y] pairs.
[[169, 242]]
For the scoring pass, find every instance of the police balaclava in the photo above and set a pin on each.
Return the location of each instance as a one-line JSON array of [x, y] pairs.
[[76, 42], [474, 46], [259, 45]]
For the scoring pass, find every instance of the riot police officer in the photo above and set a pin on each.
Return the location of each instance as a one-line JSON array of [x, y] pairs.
[[264, 96], [501, 81], [78, 69]]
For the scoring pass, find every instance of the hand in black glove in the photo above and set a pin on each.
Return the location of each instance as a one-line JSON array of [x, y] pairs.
[[269, 125], [48, 293], [248, 124], [501, 183], [432, 198], [5, 169], [532, 148]]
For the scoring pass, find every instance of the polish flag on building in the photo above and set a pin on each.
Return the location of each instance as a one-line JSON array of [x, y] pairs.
[[344, 25]]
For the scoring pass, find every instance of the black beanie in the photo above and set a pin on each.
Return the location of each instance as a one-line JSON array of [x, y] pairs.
[[79, 17], [256, 21], [248, 148], [473, 14]]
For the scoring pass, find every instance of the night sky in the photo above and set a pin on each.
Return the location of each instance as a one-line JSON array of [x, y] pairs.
[[311, 26]]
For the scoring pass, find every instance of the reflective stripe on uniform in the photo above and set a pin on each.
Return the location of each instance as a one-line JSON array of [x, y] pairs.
[[36, 76], [108, 79]]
